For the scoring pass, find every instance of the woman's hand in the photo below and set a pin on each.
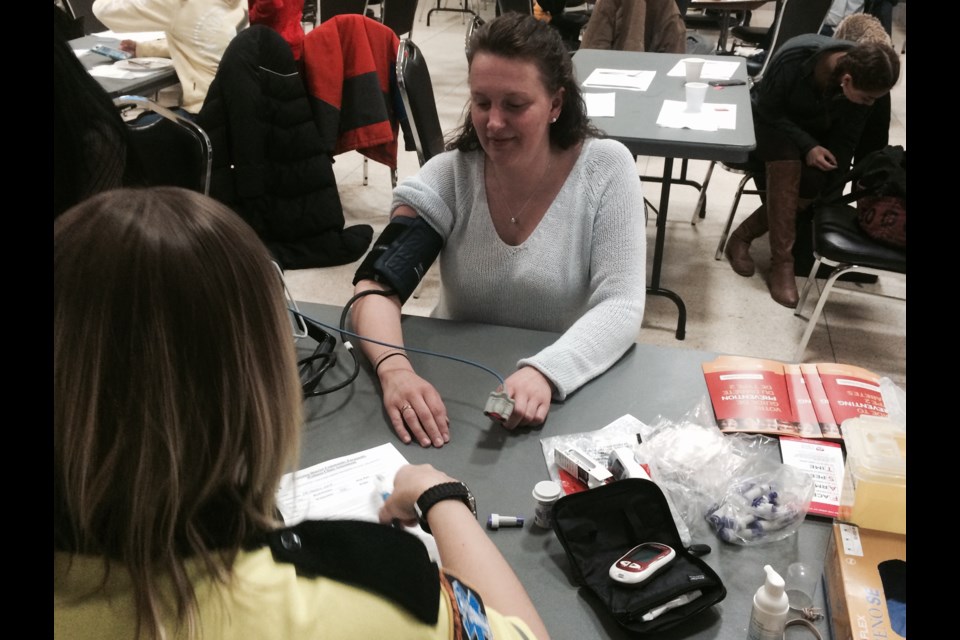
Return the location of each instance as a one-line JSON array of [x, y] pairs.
[[413, 405], [130, 46], [821, 158], [408, 485], [531, 393]]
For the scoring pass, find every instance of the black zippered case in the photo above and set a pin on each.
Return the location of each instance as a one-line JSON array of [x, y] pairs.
[[598, 526]]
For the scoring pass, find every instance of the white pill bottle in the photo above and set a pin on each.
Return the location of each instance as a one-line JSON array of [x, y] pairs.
[[770, 607]]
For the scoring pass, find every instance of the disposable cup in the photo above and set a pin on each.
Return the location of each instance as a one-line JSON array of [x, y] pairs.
[[693, 67], [696, 92], [800, 583]]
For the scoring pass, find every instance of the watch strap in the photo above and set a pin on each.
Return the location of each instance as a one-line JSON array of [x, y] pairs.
[[439, 492]]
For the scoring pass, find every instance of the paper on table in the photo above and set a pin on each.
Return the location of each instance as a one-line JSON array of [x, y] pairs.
[[600, 105], [139, 36], [629, 79], [712, 70], [345, 488], [710, 118], [113, 71]]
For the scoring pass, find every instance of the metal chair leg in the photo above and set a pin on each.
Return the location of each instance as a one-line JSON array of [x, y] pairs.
[[733, 212], [700, 211], [812, 323], [808, 284]]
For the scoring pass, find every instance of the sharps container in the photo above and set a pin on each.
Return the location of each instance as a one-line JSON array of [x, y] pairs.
[[874, 492], [545, 493]]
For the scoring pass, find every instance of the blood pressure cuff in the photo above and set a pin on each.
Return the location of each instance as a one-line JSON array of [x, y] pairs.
[[401, 255], [598, 526]]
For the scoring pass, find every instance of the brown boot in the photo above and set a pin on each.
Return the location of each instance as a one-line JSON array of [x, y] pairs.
[[783, 195], [738, 245]]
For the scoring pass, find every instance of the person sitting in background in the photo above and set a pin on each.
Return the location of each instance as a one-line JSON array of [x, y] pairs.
[[283, 16], [177, 409], [197, 34], [542, 228], [809, 112], [636, 25], [862, 27]]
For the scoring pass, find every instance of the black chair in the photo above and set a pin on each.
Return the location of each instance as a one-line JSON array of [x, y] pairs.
[[519, 6], [416, 91], [399, 15], [838, 242], [83, 10], [172, 150], [464, 9], [331, 8]]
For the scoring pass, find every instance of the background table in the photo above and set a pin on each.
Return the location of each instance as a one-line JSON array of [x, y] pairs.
[[635, 125], [145, 84], [501, 467]]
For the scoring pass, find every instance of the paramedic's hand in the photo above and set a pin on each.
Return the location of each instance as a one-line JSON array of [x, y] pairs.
[[531, 393], [821, 158], [130, 46], [408, 485], [414, 406]]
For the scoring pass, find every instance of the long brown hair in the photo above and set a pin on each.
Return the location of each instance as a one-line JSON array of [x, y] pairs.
[[872, 66], [177, 405]]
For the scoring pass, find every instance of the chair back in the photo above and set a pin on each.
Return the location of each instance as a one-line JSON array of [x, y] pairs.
[[796, 18], [173, 150], [416, 91], [331, 8], [472, 26], [399, 15], [83, 10], [520, 6]]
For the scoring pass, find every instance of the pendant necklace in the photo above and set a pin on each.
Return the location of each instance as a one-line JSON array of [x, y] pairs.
[[515, 218]]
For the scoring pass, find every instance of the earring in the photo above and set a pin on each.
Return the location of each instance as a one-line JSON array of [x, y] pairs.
[[552, 120]]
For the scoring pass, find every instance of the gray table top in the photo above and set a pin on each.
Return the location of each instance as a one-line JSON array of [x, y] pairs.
[[635, 121], [501, 467], [145, 84]]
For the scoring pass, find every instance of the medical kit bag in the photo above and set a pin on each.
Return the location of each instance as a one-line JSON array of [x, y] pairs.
[[598, 526]]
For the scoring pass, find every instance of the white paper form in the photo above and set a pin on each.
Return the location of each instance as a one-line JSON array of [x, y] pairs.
[[711, 117], [823, 461], [345, 488], [600, 105], [712, 69], [629, 79]]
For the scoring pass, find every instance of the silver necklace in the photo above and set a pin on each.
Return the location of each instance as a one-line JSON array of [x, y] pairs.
[[515, 217]]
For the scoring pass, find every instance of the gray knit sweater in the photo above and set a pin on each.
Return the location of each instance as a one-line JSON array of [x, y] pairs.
[[581, 271]]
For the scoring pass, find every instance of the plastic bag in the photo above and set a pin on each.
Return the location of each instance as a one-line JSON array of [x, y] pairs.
[[763, 508]]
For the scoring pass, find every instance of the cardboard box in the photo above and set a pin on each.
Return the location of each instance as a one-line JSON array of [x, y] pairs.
[[865, 573]]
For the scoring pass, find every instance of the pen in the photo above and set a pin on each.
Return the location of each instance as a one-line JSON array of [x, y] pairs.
[[727, 83], [384, 495]]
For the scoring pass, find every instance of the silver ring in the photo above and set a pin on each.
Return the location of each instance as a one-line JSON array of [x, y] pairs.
[[405, 407]]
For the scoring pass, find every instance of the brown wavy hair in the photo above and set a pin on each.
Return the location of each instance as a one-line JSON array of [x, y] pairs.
[[872, 66], [518, 36], [177, 404]]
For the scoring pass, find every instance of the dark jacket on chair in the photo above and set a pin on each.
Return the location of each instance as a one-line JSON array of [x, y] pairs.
[[636, 25], [269, 163]]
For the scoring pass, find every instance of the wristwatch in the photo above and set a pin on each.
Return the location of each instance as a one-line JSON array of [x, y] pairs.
[[443, 491]]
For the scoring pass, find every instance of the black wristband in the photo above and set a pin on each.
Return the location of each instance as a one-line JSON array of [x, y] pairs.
[[387, 357]]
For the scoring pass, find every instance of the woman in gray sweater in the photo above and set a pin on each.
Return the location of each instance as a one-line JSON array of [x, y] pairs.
[[542, 228]]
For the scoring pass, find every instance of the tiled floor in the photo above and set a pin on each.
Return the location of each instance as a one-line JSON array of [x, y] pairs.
[[726, 313]]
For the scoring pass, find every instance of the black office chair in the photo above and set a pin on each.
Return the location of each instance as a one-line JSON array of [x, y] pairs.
[[399, 15], [416, 91], [172, 150], [838, 242], [519, 6], [331, 8]]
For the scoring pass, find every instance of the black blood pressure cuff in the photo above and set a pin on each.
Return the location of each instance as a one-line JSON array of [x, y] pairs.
[[401, 255], [598, 526]]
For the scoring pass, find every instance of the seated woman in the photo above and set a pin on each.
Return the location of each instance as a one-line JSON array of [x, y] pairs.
[[177, 409], [197, 34], [809, 112], [542, 227]]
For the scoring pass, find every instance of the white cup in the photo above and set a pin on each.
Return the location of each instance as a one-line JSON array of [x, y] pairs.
[[693, 68], [696, 92]]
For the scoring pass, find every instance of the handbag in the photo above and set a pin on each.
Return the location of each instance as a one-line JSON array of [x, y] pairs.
[[884, 218], [598, 526]]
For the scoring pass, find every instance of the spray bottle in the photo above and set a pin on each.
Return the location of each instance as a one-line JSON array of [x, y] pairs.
[[770, 606]]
